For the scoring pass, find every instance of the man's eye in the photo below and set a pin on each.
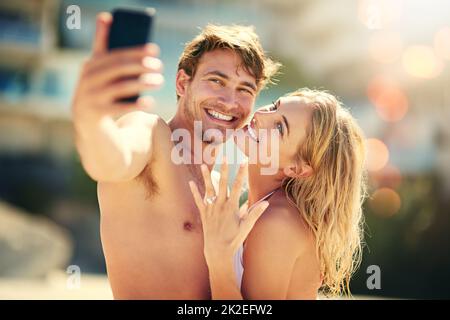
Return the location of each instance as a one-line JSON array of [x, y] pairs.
[[218, 81], [245, 90]]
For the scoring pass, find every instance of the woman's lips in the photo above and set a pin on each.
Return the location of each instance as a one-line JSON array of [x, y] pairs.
[[251, 133]]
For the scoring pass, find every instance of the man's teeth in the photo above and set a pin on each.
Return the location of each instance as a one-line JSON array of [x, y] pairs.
[[219, 115], [252, 133]]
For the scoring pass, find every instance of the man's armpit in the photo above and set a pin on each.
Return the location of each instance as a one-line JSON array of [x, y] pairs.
[[148, 180]]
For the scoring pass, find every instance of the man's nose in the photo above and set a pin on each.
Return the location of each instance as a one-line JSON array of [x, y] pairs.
[[228, 99]]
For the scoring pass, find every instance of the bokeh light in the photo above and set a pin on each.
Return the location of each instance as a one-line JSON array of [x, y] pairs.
[[442, 43], [385, 202], [388, 98], [377, 154], [377, 14], [385, 47], [421, 62], [389, 177]]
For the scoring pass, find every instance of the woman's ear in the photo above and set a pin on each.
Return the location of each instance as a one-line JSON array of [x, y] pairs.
[[181, 82], [299, 170]]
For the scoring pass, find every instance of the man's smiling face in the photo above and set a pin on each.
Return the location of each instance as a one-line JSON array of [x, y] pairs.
[[221, 94]]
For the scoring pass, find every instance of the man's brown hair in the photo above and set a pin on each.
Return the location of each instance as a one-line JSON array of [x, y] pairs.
[[240, 39]]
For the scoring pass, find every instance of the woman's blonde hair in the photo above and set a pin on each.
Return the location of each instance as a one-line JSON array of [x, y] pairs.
[[330, 200]]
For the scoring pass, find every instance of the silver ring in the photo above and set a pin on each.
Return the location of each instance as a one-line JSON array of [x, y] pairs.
[[210, 200]]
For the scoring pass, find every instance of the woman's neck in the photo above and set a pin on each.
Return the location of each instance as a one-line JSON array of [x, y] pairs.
[[260, 185]]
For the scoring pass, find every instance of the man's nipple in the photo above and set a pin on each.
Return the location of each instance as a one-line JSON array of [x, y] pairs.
[[188, 226]]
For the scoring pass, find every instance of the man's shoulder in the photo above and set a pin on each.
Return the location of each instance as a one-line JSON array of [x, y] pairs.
[[138, 116], [154, 128], [158, 126]]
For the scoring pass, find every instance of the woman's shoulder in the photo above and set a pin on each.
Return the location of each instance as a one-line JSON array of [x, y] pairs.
[[282, 224]]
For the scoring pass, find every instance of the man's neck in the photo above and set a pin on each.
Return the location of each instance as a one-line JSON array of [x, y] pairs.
[[194, 145]]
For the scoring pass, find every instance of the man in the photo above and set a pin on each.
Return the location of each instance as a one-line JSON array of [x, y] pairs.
[[150, 228]]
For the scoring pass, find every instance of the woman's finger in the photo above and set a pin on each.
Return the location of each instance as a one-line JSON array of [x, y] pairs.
[[239, 182], [209, 188], [223, 184], [197, 197], [250, 219], [243, 210]]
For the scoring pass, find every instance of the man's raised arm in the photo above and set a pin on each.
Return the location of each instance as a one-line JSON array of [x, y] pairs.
[[114, 139]]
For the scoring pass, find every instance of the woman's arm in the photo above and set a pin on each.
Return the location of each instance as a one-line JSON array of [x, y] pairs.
[[222, 279]]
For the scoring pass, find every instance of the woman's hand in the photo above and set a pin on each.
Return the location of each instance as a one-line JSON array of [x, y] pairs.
[[225, 227]]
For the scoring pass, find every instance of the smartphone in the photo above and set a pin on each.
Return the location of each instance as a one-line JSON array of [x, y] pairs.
[[130, 28]]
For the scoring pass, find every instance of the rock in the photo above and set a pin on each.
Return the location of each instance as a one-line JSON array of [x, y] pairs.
[[31, 246]]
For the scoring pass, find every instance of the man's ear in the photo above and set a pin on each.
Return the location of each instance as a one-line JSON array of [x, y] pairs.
[[299, 170], [181, 82]]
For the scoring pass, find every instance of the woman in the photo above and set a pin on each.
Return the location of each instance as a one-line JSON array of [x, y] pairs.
[[303, 229]]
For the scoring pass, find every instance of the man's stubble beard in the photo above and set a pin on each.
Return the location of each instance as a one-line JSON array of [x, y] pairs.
[[191, 113]]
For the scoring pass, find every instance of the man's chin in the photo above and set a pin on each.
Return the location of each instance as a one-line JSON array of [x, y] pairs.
[[212, 129], [216, 134]]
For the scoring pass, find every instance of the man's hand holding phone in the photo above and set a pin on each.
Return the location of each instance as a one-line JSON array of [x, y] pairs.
[[110, 76], [112, 133]]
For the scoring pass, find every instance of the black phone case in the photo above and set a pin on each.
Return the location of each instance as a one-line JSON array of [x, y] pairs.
[[130, 28]]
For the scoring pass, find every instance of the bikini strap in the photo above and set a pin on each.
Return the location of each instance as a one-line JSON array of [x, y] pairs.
[[263, 198]]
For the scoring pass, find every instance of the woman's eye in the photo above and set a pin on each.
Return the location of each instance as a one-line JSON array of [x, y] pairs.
[[280, 128], [273, 107]]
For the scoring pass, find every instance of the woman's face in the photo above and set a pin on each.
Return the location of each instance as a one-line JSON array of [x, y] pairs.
[[276, 130]]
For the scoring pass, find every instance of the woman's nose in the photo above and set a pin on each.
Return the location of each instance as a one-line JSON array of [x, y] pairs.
[[260, 118], [265, 109]]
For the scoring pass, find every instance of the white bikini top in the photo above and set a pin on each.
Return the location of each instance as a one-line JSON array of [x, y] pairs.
[[238, 257]]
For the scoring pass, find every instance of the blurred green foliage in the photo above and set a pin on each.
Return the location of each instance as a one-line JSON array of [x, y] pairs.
[[410, 247]]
